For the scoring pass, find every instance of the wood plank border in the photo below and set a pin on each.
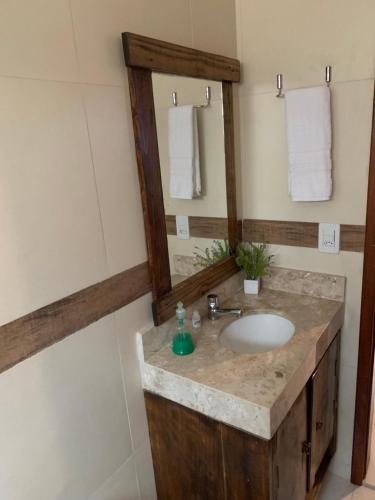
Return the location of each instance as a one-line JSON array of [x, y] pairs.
[[42, 328], [363, 404], [204, 227], [164, 57], [33, 332], [201, 227], [300, 234]]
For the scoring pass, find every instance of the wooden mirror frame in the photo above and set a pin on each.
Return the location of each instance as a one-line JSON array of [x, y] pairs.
[[144, 55]]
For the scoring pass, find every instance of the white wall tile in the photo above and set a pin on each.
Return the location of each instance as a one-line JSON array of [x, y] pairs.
[[299, 39], [127, 321], [63, 424], [113, 150], [217, 14], [122, 485], [52, 243], [36, 40], [145, 473], [98, 27], [341, 462]]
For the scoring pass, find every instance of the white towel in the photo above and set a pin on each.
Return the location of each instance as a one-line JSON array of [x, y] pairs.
[[185, 175], [308, 113]]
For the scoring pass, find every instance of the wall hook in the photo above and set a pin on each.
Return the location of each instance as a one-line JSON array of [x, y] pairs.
[[207, 103], [328, 75], [279, 83]]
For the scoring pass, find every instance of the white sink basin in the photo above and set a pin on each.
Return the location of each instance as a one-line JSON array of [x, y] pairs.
[[257, 333]]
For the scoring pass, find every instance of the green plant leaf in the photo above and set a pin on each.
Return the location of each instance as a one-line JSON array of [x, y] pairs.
[[218, 251], [253, 259]]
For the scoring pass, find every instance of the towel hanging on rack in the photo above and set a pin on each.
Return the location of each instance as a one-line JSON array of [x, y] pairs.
[[308, 113], [184, 164]]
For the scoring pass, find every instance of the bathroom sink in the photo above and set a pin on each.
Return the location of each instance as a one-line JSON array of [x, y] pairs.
[[257, 333]]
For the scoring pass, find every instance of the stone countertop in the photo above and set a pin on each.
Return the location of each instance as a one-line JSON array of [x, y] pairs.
[[252, 392]]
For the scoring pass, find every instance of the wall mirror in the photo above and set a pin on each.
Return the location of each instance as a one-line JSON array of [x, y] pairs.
[[190, 130], [182, 112]]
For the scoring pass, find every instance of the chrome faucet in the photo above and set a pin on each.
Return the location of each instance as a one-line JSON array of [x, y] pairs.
[[214, 311]]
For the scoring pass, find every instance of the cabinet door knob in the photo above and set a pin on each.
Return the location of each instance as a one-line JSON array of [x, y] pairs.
[[318, 425]]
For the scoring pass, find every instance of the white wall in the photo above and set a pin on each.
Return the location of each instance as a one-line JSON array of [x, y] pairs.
[[299, 38], [72, 420]]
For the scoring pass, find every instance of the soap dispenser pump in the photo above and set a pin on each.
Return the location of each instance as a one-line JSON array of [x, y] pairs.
[[182, 343]]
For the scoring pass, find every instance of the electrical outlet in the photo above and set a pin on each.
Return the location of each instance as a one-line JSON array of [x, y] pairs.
[[329, 238], [182, 227]]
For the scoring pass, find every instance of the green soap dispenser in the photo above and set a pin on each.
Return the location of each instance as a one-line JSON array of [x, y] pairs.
[[182, 343]]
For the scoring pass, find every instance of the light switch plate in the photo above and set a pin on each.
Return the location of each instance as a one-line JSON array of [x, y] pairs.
[[182, 227], [329, 238]]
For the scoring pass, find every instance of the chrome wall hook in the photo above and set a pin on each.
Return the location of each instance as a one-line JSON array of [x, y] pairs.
[[328, 75], [207, 103], [279, 83]]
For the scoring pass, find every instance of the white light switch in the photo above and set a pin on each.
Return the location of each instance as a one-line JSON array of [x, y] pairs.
[[182, 227], [329, 238]]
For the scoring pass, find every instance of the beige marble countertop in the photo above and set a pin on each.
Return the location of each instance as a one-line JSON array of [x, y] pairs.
[[252, 392]]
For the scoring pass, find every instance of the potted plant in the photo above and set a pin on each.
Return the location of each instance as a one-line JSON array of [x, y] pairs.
[[254, 261]]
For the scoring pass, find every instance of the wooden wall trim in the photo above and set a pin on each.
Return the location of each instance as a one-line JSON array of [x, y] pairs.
[[33, 332], [163, 57], [204, 227], [42, 328], [289, 233], [300, 234]]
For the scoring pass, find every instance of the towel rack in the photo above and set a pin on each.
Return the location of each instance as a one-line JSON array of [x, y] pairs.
[[208, 99], [279, 81]]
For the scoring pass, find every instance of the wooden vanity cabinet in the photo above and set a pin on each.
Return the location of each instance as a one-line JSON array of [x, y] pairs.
[[323, 412], [198, 458]]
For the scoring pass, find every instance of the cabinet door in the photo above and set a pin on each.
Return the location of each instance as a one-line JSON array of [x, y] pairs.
[[324, 385], [289, 454], [186, 452], [247, 465]]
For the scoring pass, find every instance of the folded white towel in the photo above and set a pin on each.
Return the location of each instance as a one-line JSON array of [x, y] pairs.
[[308, 113], [185, 176]]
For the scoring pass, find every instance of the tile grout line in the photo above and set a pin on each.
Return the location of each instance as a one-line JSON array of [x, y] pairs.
[[74, 37], [66, 82], [239, 24], [134, 450], [90, 145], [113, 473], [96, 182], [191, 23], [115, 324]]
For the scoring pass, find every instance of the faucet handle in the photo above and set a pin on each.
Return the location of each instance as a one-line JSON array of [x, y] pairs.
[[212, 301]]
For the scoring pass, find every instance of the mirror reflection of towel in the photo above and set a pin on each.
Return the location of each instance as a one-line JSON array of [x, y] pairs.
[[308, 113], [185, 175]]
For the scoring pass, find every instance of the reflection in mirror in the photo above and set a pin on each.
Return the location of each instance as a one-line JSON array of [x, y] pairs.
[[192, 163]]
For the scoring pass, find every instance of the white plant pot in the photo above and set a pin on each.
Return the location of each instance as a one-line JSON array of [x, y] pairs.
[[251, 286]]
